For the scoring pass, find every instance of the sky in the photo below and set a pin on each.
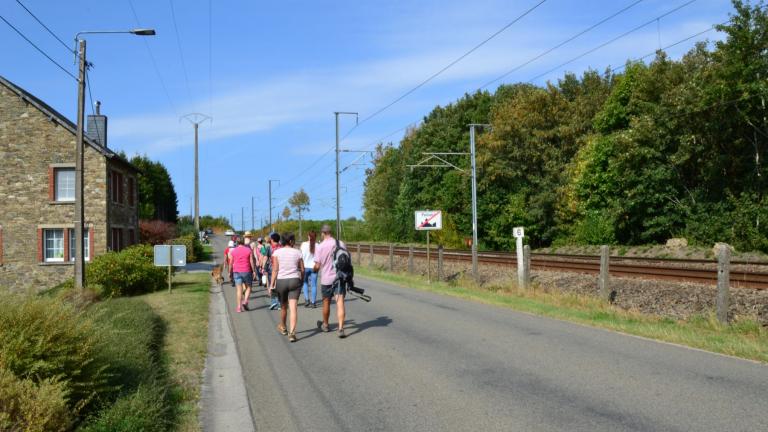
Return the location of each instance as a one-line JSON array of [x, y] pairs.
[[272, 74]]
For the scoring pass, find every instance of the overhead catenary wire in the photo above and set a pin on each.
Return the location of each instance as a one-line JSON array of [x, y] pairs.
[[446, 67], [40, 50], [566, 41], [67, 47]]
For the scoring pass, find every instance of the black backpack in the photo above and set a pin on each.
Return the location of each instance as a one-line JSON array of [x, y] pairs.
[[342, 262]]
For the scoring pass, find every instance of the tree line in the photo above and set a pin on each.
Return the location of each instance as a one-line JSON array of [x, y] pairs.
[[673, 148]]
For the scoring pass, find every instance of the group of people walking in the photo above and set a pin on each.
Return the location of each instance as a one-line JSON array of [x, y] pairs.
[[286, 272]]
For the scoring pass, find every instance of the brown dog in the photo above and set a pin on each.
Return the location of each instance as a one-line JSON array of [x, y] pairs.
[[216, 275]]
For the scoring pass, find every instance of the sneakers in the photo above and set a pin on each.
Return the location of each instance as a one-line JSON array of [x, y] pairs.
[[237, 309], [274, 306], [342, 335], [281, 328], [323, 327], [314, 305], [292, 337], [245, 306], [307, 304]]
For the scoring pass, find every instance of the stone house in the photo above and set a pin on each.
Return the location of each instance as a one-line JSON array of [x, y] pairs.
[[37, 192]]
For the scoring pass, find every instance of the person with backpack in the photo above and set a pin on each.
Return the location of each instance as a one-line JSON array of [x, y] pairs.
[[331, 256]]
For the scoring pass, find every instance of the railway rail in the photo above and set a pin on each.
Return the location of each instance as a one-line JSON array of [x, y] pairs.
[[679, 270]]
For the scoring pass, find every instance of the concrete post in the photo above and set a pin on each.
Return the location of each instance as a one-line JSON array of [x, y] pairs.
[[439, 263], [604, 280], [723, 282], [370, 250], [391, 257], [410, 259], [526, 267], [359, 255]]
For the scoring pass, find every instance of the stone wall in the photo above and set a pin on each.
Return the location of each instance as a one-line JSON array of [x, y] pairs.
[[31, 144]]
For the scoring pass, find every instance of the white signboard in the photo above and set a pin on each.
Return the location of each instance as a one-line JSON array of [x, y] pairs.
[[518, 232], [170, 255], [427, 220]]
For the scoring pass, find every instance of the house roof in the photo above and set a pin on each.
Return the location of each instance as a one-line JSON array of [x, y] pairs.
[[59, 118]]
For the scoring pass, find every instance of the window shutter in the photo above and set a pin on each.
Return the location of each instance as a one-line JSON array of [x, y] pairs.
[[40, 244], [90, 243], [66, 245], [51, 184]]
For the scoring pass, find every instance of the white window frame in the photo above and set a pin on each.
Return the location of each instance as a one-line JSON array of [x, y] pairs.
[[86, 240], [60, 240], [56, 184]]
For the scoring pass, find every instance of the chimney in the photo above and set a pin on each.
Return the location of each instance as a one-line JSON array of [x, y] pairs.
[[97, 127]]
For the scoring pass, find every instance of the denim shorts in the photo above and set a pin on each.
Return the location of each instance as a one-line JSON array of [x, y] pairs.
[[243, 278], [337, 288]]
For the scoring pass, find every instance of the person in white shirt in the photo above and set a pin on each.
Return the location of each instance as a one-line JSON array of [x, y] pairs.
[[310, 275]]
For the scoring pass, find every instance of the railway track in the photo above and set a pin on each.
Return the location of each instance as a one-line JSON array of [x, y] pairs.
[[679, 270]]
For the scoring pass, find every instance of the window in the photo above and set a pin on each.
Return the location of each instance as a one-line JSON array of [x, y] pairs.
[[117, 187], [117, 239], [64, 184], [131, 238], [53, 245], [131, 191], [86, 244]]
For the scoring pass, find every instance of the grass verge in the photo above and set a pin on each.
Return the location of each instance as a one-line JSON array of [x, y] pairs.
[[745, 339], [185, 313]]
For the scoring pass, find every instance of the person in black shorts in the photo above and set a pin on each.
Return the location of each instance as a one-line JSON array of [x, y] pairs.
[[287, 278]]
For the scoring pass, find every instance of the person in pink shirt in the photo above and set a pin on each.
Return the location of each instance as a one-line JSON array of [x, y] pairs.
[[243, 271], [288, 267], [329, 287]]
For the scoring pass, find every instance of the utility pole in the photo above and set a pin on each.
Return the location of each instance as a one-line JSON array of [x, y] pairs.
[[271, 228], [338, 172], [196, 119], [79, 205]]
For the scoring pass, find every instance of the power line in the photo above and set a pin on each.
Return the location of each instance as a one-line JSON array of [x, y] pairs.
[[181, 52], [310, 166], [154, 62], [570, 39], [38, 48], [46, 27], [448, 66], [621, 36]]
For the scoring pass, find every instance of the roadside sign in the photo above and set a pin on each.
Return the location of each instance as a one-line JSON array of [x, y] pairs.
[[170, 255], [518, 232], [427, 220]]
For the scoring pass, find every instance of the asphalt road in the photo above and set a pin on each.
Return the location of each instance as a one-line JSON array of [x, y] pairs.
[[416, 361]]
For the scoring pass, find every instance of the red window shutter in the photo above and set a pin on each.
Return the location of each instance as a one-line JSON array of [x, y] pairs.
[[66, 245], [51, 184], [40, 244], [90, 243]]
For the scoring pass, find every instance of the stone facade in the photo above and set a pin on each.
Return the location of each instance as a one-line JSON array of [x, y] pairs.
[[35, 142]]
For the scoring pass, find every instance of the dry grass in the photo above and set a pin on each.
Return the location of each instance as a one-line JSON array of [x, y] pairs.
[[745, 338], [185, 313]]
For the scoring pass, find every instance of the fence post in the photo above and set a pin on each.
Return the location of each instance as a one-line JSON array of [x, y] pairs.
[[370, 249], [391, 257], [410, 259], [526, 267], [723, 282], [604, 280], [439, 263], [359, 255]]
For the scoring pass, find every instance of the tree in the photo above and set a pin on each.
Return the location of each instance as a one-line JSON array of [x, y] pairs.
[[299, 201], [286, 213], [157, 195]]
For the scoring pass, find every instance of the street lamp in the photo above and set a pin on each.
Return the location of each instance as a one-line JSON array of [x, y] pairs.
[[79, 205]]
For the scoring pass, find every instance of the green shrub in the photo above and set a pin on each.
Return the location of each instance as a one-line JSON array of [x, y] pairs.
[[128, 272], [597, 228], [194, 248], [31, 406], [143, 410], [45, 340]]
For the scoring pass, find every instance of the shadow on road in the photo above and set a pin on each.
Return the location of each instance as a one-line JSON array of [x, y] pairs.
[[359, 327]]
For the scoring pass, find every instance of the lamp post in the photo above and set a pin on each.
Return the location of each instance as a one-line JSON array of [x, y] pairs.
[[79, 150]]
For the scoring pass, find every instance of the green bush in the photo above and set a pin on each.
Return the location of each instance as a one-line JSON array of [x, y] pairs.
[[596, 228], [55, 346], [128, 272], [26, 405], [194, 248], [143, 410]]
